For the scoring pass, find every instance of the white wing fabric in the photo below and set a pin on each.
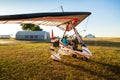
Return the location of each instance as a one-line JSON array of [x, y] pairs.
[[63, 20]]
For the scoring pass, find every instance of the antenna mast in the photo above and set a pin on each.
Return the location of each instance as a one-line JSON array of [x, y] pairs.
[[62, 8]]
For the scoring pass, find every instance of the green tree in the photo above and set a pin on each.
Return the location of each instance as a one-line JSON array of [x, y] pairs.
[[31, 27]]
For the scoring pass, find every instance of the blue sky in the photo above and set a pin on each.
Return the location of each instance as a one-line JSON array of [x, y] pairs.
[[104, 21]]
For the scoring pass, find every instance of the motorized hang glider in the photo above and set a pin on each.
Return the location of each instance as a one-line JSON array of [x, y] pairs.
[[63, 20]]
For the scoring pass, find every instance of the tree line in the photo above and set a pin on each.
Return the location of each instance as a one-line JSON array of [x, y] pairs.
[[30, 27]]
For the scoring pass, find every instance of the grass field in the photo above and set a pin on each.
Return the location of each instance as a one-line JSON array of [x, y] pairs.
[[31, 61]]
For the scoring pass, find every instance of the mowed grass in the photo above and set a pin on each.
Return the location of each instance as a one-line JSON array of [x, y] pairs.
[[31, 61]]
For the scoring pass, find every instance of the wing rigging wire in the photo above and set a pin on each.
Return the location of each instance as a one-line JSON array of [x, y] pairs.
[[86, 25]]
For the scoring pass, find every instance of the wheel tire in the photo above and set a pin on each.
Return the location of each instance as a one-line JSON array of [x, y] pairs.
[[74, 55]]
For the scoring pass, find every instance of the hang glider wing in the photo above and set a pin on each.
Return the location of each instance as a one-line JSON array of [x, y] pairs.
[[63, 20]]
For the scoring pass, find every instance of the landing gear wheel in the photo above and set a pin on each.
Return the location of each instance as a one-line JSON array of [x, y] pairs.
[[74, 55], [84, 58]]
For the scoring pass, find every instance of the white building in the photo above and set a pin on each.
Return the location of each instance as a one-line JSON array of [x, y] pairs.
[[4, 36], [33, 35], [89, 36]]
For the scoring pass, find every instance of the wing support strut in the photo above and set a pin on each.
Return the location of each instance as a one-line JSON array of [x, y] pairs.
[[78, 36]]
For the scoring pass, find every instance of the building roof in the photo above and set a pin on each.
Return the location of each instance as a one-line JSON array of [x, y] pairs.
[[30, 32], [89, 35]]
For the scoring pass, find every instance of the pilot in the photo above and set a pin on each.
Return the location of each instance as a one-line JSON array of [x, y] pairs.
[[65, 41], [75, 43]]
